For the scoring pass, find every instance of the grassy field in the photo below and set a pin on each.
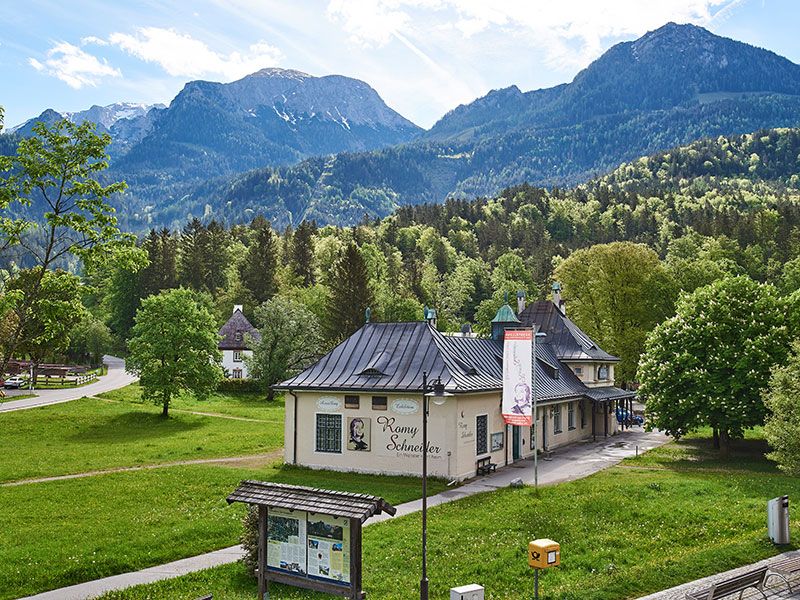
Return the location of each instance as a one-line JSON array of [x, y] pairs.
[[90, 434], [58, 533], [673, 515], [244, 405], [65, 532]]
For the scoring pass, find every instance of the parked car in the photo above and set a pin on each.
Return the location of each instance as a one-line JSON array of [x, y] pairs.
[[15, 382], [626, 417]]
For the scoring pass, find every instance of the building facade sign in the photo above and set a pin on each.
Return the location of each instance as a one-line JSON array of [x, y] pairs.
[[405, 406], [329, 403]]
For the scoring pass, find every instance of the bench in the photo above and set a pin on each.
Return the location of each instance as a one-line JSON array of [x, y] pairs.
[[733, 585], [484, 466], [784, 569]]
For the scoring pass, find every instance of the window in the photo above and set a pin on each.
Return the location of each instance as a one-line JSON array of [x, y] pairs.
[[557, 419], [482, 434], [329, 433], [579, 371], [238, 336], [352, 401], [379, 403], [571, 416], [583, 414], [237, 373], [237, 356], [602, 372]]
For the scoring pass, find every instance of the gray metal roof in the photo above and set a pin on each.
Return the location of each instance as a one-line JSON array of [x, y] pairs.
[[235, 332], [298, 497], [393, 356], [567, 339], [609, 393]]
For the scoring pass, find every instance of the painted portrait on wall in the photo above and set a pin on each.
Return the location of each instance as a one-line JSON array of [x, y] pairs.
[[358, 429]]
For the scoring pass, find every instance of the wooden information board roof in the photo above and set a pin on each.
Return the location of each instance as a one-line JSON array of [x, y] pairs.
[[298, 497]]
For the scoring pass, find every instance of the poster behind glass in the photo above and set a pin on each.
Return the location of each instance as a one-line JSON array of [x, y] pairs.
[[329, 548], [286, 540]]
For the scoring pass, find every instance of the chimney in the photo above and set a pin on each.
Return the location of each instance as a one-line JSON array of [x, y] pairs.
[[560, 304], [238, 307], [520, 301]]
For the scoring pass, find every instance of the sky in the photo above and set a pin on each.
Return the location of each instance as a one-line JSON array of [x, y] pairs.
[[424, 57]]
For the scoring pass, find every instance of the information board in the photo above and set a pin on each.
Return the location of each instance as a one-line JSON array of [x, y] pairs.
[[286, 541], [329, 548], [316, 545]]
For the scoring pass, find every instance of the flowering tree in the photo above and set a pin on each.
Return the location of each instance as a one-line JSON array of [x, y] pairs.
[[708, 365]]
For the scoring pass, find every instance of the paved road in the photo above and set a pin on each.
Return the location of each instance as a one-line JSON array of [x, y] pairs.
[[117, 377], [573, 462]]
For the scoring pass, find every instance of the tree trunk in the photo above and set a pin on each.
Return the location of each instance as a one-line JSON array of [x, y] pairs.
[[725, 442], [716, 438], [270, 394], [165, 408]]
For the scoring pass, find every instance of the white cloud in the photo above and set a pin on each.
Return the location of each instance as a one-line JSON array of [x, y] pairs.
[[73, 66], [570, 32], [181, 55]]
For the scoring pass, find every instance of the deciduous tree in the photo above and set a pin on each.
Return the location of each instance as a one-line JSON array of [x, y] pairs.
[[54, 180], [708, 365], [617, 293], [291, 338], [782, 428], [174, 347]]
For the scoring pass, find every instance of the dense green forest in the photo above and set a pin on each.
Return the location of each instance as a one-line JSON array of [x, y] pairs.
[[624, 246], [717, 207]]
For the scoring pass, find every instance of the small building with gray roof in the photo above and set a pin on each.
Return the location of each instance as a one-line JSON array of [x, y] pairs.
[[359, 407]]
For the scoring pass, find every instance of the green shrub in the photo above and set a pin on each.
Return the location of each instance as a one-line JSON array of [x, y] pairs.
[[238, 385]]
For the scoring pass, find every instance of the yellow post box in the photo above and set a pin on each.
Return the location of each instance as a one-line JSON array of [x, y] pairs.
[[544, 553]]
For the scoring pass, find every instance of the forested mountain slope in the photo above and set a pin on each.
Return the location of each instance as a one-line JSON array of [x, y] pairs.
[[669, 88]]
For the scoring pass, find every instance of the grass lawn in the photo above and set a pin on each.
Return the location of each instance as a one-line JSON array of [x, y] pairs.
[[91, 434], [246, 405], [675, 514], [64, 532]]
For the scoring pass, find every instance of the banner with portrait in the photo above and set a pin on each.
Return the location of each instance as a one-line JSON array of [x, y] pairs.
[[517, 379]]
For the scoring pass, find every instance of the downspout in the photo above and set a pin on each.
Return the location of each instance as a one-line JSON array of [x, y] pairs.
[[294, 432]]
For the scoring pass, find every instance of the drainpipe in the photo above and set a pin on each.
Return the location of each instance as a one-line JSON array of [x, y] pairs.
[[294, 433]]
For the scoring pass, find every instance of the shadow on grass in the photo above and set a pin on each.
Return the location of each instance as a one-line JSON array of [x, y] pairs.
[[698, 453], [134, 426]]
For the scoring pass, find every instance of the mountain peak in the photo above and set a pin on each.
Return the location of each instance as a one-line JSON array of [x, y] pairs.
[[278, 72]]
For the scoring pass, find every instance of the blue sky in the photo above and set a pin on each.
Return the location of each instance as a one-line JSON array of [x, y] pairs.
[[423, 56]]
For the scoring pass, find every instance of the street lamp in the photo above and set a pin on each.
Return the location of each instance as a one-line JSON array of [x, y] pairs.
[[439, 395]]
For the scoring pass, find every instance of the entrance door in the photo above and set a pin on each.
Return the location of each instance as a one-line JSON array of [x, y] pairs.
[[517, 442]]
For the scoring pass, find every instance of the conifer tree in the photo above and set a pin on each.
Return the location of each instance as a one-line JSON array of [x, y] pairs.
[[350, 293], [192, 263], [257, 271], [217, 256], [302, 257]]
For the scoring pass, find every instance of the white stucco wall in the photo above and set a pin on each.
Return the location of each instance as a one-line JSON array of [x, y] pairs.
[[395, 437], [229, 364]]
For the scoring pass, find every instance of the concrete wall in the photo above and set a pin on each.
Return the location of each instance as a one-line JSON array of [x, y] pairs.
[[229, 364]]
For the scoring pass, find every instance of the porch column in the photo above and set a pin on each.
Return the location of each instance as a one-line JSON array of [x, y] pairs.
[[605, 418], [594, 417]]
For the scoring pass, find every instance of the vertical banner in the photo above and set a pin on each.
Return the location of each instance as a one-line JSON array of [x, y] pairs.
[[517, 380]]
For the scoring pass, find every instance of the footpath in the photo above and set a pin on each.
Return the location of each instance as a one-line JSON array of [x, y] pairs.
[[116, 378], [568, 464]]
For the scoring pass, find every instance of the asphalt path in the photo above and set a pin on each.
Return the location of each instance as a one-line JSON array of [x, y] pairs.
[[116, 378]]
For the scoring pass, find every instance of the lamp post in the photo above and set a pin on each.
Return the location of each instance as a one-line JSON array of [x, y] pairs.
[[436, 390]]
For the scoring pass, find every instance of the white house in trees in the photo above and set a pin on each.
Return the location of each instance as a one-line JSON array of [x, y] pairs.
[[235, 335]]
